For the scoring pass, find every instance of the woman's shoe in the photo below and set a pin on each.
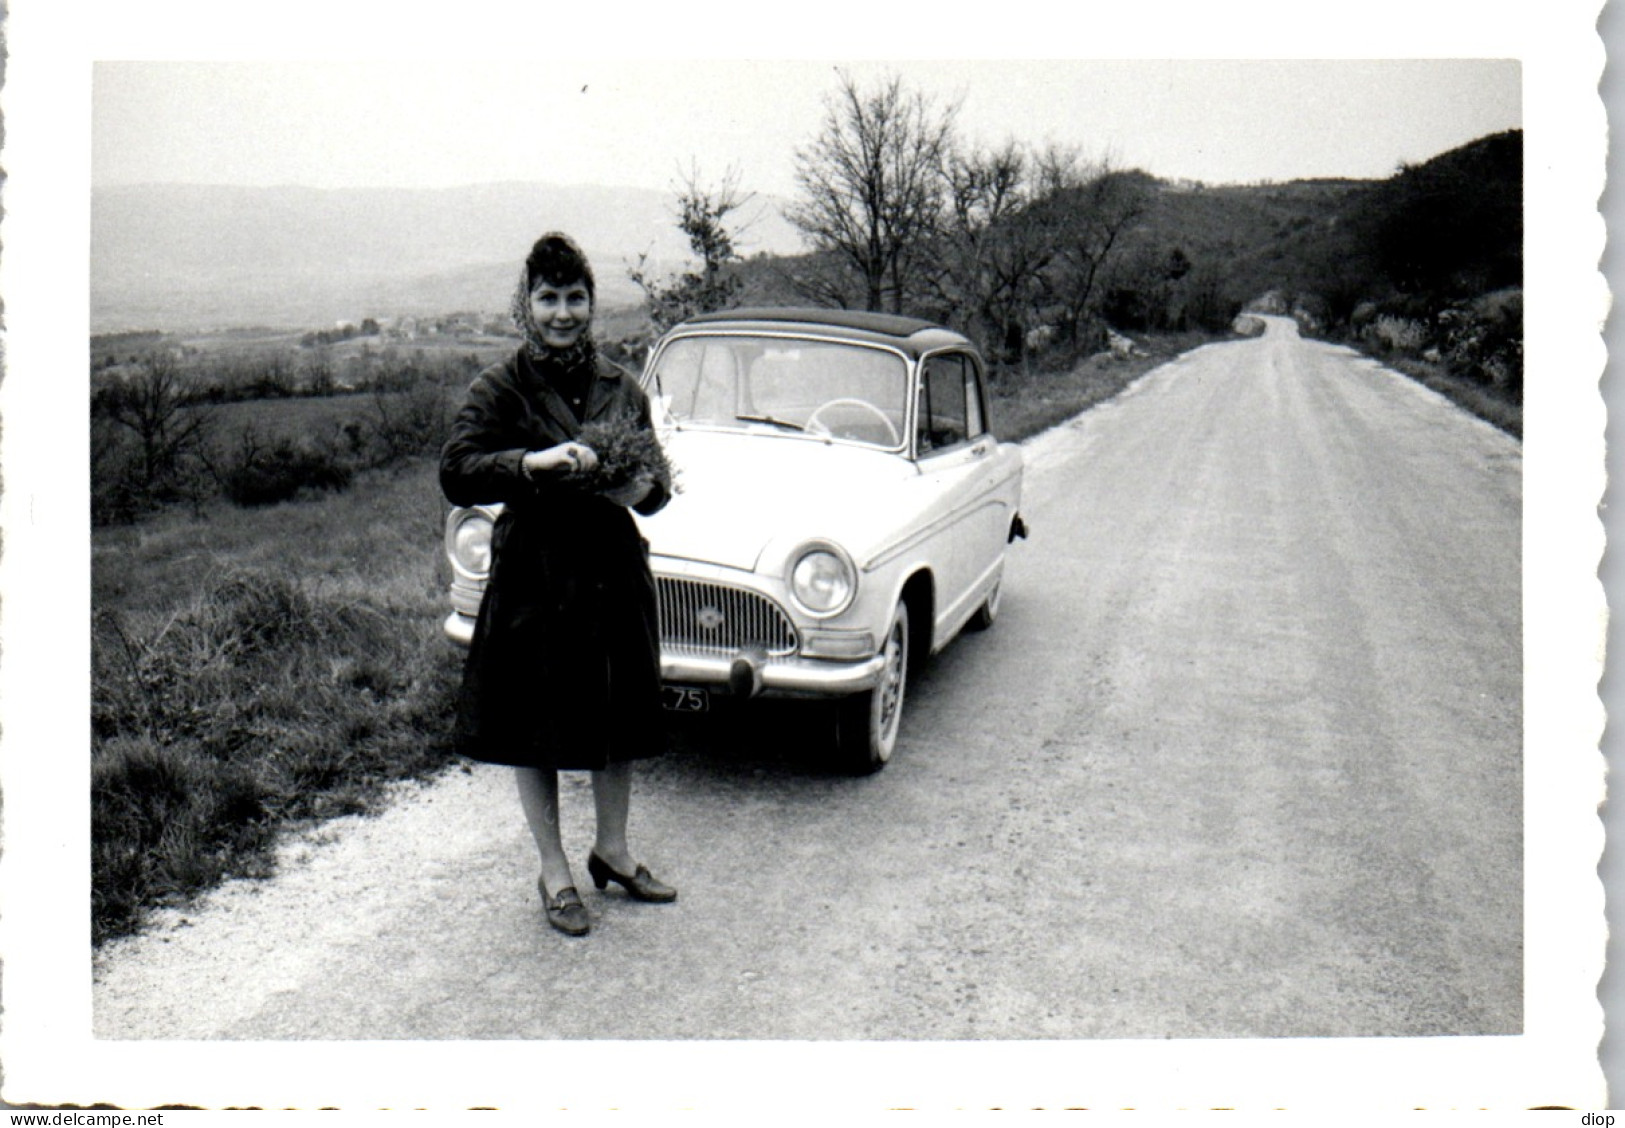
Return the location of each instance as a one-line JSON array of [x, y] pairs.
[[565, 911], [641, 885]]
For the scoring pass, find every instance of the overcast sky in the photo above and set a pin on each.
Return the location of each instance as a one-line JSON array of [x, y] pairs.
[[398, 123]]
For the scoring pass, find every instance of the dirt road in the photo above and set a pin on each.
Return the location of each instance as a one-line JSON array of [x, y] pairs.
[[1240, 758]]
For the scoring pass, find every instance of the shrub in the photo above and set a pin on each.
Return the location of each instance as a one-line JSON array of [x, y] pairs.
[[1477, 344], [116, 494], [1397, 334], [408, 422], [261, 472], [1483, 341]]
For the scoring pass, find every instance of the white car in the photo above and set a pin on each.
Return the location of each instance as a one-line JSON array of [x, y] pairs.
[[843, 509]]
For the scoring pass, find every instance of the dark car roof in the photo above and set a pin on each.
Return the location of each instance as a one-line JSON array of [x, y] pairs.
[[912, 334]]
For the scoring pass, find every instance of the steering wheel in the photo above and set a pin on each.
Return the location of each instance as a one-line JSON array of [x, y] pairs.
[[893, 438]]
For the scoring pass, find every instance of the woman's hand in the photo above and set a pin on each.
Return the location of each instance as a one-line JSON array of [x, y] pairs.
[[631, 493], [561, 459]]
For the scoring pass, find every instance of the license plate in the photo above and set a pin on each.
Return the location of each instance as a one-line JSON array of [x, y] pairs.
[[683, 699]]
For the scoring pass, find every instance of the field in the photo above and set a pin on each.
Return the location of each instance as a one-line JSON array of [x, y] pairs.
[[256, 668]]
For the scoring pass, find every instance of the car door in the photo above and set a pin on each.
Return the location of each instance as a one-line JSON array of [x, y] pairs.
[[997, 492], [951, 448]]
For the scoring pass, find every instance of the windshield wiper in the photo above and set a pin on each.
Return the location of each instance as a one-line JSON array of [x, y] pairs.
[[785, 423]]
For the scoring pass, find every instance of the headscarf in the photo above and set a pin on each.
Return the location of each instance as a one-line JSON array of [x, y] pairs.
[[556, 260]]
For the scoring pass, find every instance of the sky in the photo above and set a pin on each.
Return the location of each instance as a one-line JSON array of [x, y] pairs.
[[418, 122]]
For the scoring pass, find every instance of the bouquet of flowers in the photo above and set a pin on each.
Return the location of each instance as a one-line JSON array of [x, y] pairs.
[[625, 452]]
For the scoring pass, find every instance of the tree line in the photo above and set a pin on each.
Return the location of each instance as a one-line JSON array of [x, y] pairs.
[[1039, 252], [160, 432], [1024, 248]]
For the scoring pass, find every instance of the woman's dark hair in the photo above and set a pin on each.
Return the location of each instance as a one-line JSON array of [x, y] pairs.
[[557, 261]]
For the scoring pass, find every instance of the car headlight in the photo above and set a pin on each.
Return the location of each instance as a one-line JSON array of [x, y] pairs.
[[469, 544], [822, 579]]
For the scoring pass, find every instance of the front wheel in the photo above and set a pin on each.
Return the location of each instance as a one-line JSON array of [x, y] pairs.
[[866, 723]]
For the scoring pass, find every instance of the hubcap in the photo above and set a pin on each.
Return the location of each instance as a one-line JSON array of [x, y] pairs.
[[891, 688]]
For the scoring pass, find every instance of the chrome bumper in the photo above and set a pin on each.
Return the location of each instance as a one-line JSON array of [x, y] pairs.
[[774, 677], [459, 628], [783, 677]]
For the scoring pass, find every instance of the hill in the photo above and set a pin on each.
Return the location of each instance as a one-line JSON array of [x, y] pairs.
[[1439, 232]]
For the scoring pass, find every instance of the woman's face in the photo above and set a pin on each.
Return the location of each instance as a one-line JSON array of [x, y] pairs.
[[561, 312]]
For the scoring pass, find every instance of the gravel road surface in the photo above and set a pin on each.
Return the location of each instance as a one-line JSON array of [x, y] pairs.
[[1240, 758]]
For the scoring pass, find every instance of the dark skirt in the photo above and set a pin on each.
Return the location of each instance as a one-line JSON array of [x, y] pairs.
[[564, 668]]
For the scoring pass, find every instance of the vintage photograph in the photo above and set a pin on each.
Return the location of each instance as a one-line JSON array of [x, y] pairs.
[[906, 561]]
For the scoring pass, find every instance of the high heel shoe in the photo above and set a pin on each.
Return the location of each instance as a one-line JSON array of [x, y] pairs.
[[641, 885], [565, 911]]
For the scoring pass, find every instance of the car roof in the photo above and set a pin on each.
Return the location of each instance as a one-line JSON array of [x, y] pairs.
[[913, 335]]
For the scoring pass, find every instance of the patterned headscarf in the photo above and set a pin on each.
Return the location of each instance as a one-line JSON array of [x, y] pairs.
[[556, 260]]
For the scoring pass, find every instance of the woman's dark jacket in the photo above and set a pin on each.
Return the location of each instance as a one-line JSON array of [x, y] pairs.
[[564, 667]]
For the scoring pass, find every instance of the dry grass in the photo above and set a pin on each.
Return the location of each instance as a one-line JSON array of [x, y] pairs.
[[253, 669], [1471, 396]]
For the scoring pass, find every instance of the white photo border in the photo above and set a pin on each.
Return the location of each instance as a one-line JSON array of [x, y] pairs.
[[50, 1057]]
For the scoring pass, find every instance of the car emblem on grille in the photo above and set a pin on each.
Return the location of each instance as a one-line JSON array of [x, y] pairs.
[[708, 618]]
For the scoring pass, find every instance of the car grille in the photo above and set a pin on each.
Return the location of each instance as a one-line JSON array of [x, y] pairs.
[[714, 619]]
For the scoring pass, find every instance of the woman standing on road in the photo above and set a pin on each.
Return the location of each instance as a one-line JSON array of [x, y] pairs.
[[564, 668]]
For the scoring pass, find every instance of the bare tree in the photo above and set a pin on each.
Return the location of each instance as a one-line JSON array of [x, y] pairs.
[[984, 189], [702, 212], [998, 239], [1101, 207], [409, 422], [871, 184], [153, 406], [318, 374], [819, 278]]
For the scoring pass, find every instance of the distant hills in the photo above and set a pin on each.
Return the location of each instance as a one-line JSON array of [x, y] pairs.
[[188, 258], [193, 257]]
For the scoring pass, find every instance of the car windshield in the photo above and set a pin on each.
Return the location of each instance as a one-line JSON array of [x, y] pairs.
[[826, 389]]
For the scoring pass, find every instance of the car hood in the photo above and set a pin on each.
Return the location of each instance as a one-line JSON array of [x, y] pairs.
[[739, 492]]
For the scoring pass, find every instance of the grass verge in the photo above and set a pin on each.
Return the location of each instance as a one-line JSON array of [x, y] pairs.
[[253, 671], [1471, 396], [1468, 395], [1025, 404]]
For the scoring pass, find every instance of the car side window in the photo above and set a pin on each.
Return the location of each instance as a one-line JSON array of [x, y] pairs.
[[943, 416]]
